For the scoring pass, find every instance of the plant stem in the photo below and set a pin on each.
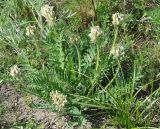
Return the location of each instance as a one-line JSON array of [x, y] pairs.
[[79, 60], [115, 35], [94, 9], [114, 39], [97, 62]]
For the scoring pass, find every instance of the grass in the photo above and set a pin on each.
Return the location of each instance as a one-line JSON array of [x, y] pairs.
[[113, 68]]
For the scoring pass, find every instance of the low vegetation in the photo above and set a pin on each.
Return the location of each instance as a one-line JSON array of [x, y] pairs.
[[83, 57]]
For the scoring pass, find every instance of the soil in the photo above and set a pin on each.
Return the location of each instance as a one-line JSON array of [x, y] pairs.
[[17, 111]]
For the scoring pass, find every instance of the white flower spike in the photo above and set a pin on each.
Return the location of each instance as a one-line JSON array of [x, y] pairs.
[[117, 51], [58, 99], [117, 18], [30, 30], [95, 32], [47, 12], [14, 70]]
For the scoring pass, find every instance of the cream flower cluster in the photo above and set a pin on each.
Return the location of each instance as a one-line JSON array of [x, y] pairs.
[[117, 18], [47, 12], [95, 32], [117, 50], [58, 99], [30, 30], [14, 70]]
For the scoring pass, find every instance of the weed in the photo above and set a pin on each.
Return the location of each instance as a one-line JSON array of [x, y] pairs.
[[115, 68]]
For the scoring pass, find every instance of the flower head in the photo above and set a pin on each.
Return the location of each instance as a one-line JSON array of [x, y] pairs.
[[30, 30], [47, 12], [73, 39], [95, 32], [117, 18], [58, 99], [14, 70], [117, 50]]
